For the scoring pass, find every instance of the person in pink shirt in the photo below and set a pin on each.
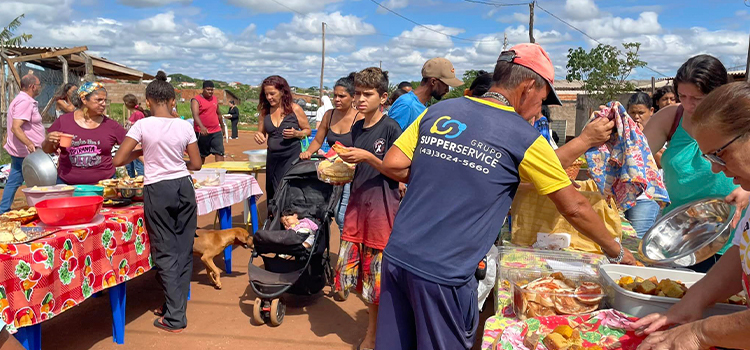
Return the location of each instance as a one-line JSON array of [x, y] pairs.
[[137, 113], [25, 135], [169, 198]]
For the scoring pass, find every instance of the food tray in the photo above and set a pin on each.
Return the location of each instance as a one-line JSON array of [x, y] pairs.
[[550, 303], [216, 176], [640, 305], [35, 194], [34, 233]]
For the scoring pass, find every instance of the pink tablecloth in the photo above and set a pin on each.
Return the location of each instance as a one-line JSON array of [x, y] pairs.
[[236, 188]]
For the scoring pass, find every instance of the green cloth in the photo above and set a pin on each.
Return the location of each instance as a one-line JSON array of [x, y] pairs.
[[688, 176]]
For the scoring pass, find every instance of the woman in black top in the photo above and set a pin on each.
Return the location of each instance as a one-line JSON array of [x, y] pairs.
[[281, 123], [337, 126], [234, 113]]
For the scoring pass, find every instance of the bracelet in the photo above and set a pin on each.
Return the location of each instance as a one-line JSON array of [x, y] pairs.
[[619, 257]]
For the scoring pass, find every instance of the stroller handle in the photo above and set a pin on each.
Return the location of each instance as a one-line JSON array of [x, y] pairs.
[[312, 157]]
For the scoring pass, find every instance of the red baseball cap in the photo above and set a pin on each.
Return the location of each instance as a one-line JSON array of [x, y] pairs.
[[533, 56]]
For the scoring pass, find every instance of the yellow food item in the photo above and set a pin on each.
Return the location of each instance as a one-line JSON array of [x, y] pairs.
[[625, 281], [564, 330], [647, 287], [555, 341]]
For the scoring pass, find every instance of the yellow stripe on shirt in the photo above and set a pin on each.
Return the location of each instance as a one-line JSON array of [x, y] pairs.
[[541, 167], [409, 139]]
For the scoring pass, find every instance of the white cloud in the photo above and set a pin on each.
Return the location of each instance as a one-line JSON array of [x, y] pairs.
[[515, 17], [45, 10], [581, 9], [618, 27], [161, 23], [337, 23], [100, 31], [271, 6], [520, 34], [152, 3], [428, 38], [206, 37], [393, 5]]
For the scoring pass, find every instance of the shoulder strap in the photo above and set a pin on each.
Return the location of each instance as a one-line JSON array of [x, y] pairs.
[[676, 123], [330, 119]]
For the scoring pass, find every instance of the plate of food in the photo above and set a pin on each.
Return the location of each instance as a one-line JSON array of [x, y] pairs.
[[605, 329], [117, 202], [11, 232], [23, 215]]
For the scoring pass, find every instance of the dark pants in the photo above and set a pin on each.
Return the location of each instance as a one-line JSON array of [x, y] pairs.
[[235, 122], [15, 180], [171, 220], [705, 265], [415, 313]]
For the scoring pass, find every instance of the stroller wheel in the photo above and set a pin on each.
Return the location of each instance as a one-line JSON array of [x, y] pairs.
[[278, 310], [341, 295], [258, 312]]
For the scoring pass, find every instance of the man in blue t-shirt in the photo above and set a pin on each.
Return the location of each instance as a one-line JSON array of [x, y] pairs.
[[464, 159], [438, 75]]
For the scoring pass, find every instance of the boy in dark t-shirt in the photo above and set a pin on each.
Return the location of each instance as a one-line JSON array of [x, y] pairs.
[[374, 197]]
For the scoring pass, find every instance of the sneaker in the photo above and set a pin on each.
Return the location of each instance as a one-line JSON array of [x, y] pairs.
[[159, 323]]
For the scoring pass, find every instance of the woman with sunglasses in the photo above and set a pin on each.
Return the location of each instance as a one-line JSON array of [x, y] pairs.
[[721, 126], [687, 175]]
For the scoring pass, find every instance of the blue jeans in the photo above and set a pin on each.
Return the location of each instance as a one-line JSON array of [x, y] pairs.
[[15, 180], [643, 215], [134, 168], [343, 203]]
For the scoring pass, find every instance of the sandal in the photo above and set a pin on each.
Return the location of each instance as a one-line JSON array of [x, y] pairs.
[[161, 311], [159, 323]]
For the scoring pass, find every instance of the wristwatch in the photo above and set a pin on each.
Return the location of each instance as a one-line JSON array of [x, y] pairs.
[[619, 257]]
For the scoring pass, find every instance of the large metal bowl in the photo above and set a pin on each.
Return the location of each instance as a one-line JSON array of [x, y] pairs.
[[39, 169], [688, 234]]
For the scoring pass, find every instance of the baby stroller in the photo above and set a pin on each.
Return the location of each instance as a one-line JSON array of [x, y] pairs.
[[309, 270]]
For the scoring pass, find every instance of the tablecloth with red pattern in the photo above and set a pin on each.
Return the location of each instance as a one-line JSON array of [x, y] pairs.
[[41, 279]]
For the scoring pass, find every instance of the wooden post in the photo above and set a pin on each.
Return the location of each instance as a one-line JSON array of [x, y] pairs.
[[89, 68], [322, 61], [12, 68], [653, 86], [531, 23], [747, 65], [64, 69]]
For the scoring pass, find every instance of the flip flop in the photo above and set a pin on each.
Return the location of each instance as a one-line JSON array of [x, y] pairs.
[[160, 311], [159, 323]]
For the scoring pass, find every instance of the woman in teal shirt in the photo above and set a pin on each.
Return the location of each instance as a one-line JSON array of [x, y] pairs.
[[687, 175]]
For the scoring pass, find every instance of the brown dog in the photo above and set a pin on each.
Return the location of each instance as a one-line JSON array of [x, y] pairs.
[[211, 243]]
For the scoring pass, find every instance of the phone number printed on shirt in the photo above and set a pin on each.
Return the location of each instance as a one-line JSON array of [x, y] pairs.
[[451, 158]]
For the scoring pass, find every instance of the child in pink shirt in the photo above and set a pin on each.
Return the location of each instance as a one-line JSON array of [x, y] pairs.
[[169, 197]]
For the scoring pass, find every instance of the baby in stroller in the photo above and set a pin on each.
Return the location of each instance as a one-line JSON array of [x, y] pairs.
[[290, 220]]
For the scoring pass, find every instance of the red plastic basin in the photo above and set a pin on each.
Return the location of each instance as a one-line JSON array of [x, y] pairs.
[[69, 211]]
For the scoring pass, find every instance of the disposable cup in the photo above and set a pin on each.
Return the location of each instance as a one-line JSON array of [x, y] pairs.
[[66, 140]]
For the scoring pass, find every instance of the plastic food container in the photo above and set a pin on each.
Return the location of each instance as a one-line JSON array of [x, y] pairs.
[[210, 177], [539, 294], [132, 193], [88, 190], [257, 156], [640, 305], [511, 259], [69, 211], [35, 195], [338, 173]]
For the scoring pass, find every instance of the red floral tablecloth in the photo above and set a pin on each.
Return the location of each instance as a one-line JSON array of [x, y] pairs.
[[41, 279]]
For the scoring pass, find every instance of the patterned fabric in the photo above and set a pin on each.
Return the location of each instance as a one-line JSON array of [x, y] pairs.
[[359, 268], [236, 188], [41, 279], [624, 167], [742, 240], [89, 87], [606, 329]]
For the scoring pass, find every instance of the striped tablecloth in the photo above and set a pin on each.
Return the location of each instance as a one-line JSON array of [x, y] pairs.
[[236, 189]]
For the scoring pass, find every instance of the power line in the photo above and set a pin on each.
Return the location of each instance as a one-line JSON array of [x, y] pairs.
[[496, 4], [588, 36], [426, 27]]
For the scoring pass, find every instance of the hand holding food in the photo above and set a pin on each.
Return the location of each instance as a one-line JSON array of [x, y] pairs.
[[355, 155], [335, 172]]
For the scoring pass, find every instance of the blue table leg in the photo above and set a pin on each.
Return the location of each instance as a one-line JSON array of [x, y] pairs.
[[97, 294], [117, 302], [225, 222], [30, 337], [189, 293], [254, 214]]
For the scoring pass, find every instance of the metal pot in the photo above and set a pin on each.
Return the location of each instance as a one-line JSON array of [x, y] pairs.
[[689, 234], [39, 169]]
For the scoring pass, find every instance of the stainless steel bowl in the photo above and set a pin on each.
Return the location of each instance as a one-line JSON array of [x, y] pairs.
[[688, 234], [39, 169], [134, 193]]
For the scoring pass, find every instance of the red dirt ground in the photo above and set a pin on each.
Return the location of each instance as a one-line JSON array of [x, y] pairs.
[[217, 319]]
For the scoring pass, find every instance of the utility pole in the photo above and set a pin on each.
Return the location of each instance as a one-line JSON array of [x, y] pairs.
[[322, 63], [380, 65], [505, 41], [747, 65], [531, 23]]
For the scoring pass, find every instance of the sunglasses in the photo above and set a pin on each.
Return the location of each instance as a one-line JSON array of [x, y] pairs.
[[714, 158]]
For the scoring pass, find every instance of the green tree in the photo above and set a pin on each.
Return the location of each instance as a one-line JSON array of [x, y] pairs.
[[9, 38], [604, 70], [468, 78]]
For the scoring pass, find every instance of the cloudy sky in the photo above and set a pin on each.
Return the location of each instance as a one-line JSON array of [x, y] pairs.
[[247, 40]]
